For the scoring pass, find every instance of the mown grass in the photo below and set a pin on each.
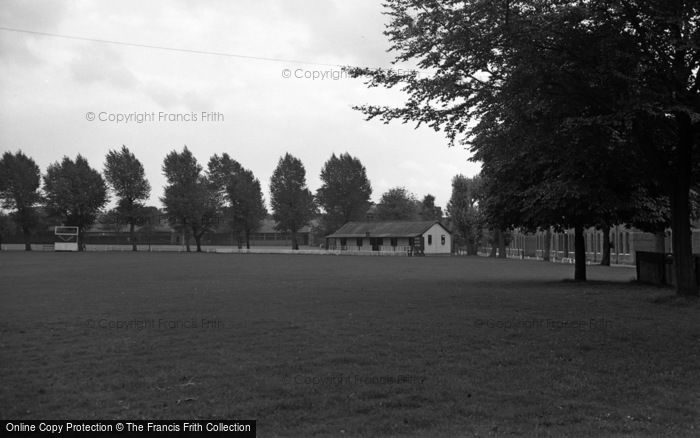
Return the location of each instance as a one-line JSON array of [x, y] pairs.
[[309, 345]]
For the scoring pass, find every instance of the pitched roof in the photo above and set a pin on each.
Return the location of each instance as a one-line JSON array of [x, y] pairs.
[[385, 229]]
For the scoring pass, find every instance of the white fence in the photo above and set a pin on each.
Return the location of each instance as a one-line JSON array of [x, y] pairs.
[[209, 249], [307, 251]]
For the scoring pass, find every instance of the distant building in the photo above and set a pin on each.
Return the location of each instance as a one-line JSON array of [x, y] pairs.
[[624, 243], [268, 235], [414, 237], [158, 230]]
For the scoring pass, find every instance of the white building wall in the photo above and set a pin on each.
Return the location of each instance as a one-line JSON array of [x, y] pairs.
[[402, 245], [352, 244], [436, 244]]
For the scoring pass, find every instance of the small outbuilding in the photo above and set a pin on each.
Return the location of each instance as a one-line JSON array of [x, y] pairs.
[[411, 237]]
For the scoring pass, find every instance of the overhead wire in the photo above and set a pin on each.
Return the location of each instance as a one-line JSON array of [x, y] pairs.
[[172, 49]]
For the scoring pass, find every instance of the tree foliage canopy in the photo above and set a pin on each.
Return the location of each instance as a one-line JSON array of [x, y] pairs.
[[20, 179], [398, 204], [241, 193], [74, 192], [190, 198], [463, 210], [292, 202], [428, 210], [345, 191], [126, 176]]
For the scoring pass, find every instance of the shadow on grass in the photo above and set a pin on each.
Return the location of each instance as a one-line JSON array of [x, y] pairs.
[[674, 300], [594, 282]]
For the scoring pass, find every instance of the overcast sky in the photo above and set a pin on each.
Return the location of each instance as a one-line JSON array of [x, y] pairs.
[[50, 84]]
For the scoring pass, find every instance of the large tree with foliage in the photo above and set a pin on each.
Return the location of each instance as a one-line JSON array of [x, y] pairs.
[[292, 203], [398, 204], [241, 191], [345, 191], [463, 211], [191, 199], [666, 38], [125, 175], [74, 193], [247, 204], [544, 161], [516, 78], [20, 179], [223, 172], [555, 89]]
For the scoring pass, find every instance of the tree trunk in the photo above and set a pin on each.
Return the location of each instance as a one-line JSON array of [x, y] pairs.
[[186, 237], [501, 245], [546, 252], [470, 241], [682, 246], [580, 254], [471, 248], [295, 245], [605, 260], [27, 239], [660, 242], [198, 240], [680, 211], [132, 235], [247, 239], [197, 233]]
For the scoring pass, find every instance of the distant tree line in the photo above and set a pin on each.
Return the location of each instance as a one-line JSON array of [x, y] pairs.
[[195, 200]]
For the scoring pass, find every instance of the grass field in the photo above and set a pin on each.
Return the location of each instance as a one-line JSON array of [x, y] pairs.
[[347, 346]]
